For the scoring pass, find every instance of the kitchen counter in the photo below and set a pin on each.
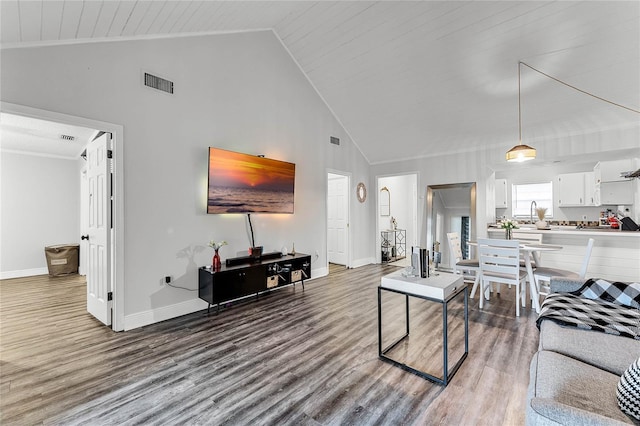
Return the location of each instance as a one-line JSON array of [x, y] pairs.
[[572, 230], [615, 255]]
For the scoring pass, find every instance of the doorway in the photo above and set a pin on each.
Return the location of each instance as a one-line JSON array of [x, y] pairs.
[[397, 197], [114, 266], [338, 185]]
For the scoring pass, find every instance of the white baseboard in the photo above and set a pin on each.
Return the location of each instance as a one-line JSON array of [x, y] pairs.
[[362, 262], [6, 275], [319, 272], [164, 313]]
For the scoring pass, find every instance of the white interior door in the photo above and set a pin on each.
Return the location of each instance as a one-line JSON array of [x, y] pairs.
[[98, 226], [337, 219], [84, 220]]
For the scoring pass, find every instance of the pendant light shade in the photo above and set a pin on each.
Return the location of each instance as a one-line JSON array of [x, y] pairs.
[[520, 153]]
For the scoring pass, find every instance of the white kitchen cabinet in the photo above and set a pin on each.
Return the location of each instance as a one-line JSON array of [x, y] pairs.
[[501, 193], [571, 189], [616, 193], [590, 195], [609, 171]]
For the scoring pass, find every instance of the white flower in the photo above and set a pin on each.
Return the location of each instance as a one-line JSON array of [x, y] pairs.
[[217, 245], [509, 224]]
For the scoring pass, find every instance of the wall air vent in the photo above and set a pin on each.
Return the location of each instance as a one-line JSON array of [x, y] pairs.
[[334, 140], [156, 82], [67, 138]]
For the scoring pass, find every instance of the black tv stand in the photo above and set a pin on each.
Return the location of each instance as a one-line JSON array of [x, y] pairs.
[[234, 261], [245, 276]]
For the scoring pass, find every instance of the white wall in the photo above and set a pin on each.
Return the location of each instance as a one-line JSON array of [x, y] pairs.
[[40, 206], [240, 92]]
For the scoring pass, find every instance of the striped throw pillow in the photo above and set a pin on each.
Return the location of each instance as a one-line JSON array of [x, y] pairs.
[[628, 392]]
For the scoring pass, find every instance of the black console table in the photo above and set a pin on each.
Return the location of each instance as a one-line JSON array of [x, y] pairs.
[[251, 276]]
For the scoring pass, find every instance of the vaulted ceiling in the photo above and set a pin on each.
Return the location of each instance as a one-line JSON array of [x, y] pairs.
[[405, 78]]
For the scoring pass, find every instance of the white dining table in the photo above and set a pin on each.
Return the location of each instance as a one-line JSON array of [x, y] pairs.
[[532, 251]]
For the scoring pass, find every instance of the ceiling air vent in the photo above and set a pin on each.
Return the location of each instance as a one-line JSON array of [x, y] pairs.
[[334, 140], [159, 83], [67, 138]]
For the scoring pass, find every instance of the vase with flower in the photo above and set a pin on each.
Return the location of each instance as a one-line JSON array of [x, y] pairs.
[[541, 223], [509, 225], [216, 264]]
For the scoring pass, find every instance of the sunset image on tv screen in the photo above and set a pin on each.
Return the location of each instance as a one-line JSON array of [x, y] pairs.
[[243, 183]]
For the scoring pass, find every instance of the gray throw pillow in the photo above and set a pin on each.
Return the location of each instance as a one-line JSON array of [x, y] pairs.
[[628, 392]]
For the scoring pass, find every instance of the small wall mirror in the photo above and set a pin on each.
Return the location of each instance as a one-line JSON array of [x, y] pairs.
[[385, 202], [361, 192]]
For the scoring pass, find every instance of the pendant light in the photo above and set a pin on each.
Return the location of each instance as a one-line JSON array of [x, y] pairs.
[[520, 152], [523, 152]]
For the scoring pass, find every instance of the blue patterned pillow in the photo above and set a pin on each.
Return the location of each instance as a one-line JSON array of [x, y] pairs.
[[628, 392], [626, 294]]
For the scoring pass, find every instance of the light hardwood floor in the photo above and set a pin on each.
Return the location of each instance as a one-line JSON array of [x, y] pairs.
[[291, 357]]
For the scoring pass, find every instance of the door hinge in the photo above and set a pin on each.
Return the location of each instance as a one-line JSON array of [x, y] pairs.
[[109, 153], [109, 296]]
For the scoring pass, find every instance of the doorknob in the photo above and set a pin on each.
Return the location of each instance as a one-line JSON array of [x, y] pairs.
[[85, 237]]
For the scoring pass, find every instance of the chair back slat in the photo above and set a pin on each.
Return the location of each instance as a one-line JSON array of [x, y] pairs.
[[455, 246], [499, 258]]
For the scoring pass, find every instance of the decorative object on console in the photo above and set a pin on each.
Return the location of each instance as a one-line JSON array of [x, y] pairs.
[[254, 251], [541, 223], [361, 192], [216, 264], [508, 225], [394, 223]]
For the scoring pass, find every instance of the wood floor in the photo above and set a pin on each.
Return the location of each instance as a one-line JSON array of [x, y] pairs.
[[291, 357]]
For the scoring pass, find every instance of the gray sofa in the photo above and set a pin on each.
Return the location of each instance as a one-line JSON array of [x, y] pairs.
[[574, 374]]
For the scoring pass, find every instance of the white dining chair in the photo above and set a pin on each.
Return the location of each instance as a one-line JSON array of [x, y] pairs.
[[544, 274], [527, 238], [468, 268], [500, 263]]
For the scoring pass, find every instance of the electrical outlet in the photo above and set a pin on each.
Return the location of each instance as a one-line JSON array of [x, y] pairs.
[[317, 254]]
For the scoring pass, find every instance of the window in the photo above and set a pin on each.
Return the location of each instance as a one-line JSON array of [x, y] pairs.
[[524, 194]]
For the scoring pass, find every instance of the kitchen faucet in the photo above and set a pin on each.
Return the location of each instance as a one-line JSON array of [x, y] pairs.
[[533, 203]]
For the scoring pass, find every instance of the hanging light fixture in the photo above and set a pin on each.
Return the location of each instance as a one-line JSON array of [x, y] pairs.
[[520, 152], [523, 152]]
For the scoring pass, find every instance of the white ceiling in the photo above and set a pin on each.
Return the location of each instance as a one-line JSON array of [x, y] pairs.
[[30, 135], [405, 78]]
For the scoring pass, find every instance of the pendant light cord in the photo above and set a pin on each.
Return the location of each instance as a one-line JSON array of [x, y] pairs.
[[519, 106], [568, 85]]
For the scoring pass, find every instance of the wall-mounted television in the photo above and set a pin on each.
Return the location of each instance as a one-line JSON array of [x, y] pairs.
[[243, 183]]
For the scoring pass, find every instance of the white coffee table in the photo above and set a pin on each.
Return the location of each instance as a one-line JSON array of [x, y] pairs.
[[442, 289]]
